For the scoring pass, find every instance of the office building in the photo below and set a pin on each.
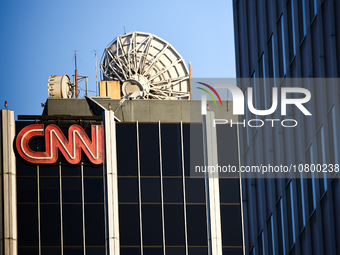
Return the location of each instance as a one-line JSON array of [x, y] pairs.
[[291, 44]]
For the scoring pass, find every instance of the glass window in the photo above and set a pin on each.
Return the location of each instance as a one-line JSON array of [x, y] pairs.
[[175, 250], [174, 224], [151, 190], [27, 190], [230, 190], [291, 29], [71, 189], [290, 214], [311, 182], [282, 53], [72, 225], [128, 251], [313, 7], [129, 224], [195, 190], [231, 225], [93, 170], [149, 149], [128, 190], [27, 224], [49, 170], [301, 201], [94, 225], [270, 231], [93, 190], [73, 250], [196, 156], [48, 251], [171, 150], [127, 158], [70, 170], [49, 189], [173, 190], [198, 250], [197, 225], [280, 226], [271, 57], [261, 244], [322, 158], [152, 225], [333, 137], [302, 18], [98, 251], [50, 224]]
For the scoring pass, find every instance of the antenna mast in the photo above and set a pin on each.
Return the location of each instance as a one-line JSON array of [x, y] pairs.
[[75, 74], [95, 56]]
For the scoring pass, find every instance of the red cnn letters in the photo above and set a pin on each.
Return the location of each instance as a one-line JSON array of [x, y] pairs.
[[55, 139]]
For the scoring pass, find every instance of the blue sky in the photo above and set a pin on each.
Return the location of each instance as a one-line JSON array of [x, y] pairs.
[[38, 39]]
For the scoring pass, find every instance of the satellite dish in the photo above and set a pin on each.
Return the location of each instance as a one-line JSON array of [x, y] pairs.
[[143, 62], [59, 86]]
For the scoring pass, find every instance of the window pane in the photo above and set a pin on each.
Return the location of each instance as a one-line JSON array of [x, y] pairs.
[[72, 225], [71, 189], [129, 251], [27, 224], [49, 170], [173, 190], [49, 251], [151, 190], [174, 225], [27, 190], [126, 134], [229, 191], [93, 190], [198, 250], [128, 190], [50, 224], [95, 251], [171, 150], [94, 225], [129, 224], [152, 225], [231, 225], [195, 190], [149, 149], [49, 189], [93, 170], [175, 250], [197, 225]]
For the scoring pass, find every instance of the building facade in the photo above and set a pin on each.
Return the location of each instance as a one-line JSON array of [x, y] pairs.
[[291, 44], [128, 190]]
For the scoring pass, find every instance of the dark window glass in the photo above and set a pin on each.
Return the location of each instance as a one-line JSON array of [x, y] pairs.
[[197, 225], [299, 203], [128, 190], [186, 148], [281, 44], [231, 225], [303, 243], [153, 250], [94, 225], [49, 189], [195, 190], [93, 170], [151, 190], [49, 170], [175, 250], [129, 224], [152, 225], [27, 224], [173, 190], [49, 251], [271, 71], [233, 251], [196, 147], [302, 18], [291, 30], [326, 226], [93, 190], [290, 215], [174, 225], [127, 163], [72, 225], [50, 224], [27, 190], [96, 251], [229, 191], [270, 235], [24, 168], [315, 236], [73, 250], [70, 170], [198, 250], [279, 226], [71, 189], [171, 150], [129, 250], [28, 250], [149, 149]]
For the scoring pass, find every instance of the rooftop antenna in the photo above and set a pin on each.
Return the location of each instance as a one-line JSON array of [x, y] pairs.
[[95, 56], [124, 29], [75, 74]]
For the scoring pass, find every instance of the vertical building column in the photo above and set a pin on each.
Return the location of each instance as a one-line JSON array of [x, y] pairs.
[[8, 184], [112, 219], [214, 188]]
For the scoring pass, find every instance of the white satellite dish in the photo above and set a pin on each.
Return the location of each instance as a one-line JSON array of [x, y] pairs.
[[144, 62], [59, 86]]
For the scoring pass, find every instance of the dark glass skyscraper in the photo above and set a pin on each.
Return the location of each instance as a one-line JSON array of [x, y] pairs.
[[287, 39]]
